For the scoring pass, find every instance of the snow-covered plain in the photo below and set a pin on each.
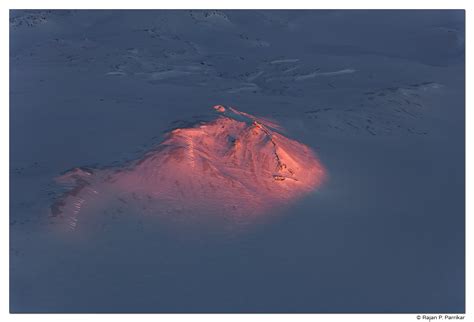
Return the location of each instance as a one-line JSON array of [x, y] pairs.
[[378, 95]]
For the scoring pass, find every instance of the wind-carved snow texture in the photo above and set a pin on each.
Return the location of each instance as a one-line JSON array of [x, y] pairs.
[[382, 112], [230, 170]]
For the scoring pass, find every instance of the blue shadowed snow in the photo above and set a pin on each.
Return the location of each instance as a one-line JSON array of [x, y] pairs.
[[378, 95]]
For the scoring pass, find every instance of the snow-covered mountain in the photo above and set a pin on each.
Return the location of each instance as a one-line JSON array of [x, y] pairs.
[[229, 170]]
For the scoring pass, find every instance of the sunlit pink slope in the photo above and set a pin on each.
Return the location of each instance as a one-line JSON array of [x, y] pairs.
[[236, 167]]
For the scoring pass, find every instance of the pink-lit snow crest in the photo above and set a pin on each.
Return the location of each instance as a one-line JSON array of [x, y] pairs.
[[234, 169]]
